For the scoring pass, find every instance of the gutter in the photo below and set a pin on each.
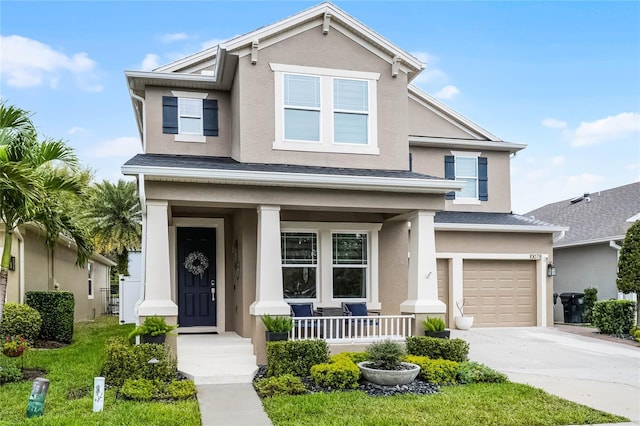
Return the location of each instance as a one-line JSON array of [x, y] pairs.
[[301, 180], [475, 227], [143, 133], [617, 248]]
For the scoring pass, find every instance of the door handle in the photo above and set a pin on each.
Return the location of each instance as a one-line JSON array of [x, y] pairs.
[[213, 294]]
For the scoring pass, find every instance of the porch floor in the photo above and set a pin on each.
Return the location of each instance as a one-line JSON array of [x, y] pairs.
[[211, 359]]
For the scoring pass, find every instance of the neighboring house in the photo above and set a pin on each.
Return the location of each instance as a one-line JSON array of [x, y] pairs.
[[35, 268], [587, 254], [288, 164]]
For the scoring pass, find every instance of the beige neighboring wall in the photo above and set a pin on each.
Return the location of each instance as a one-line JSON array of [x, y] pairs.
[[430, 161], [424, 122], [313, 49], [161, 143], [13, 285]]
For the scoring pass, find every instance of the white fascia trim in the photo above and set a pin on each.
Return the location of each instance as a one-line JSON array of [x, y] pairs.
[[490, 256], [331, 72], [481, 227], [317, 12], [633, 218], [170, 77], [589, 242], [434, 104], [305, 180], [208, 53], [428, 141]]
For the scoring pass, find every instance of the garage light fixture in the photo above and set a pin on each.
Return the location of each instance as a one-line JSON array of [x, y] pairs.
[[551, 270]]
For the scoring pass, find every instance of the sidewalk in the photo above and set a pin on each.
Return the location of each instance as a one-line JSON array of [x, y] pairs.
[[231, 405]]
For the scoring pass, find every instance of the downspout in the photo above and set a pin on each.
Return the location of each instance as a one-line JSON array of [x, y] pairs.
[[21, 280], [144, 118]]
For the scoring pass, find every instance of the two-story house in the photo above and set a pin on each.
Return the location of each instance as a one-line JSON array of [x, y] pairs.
[[298, 163]]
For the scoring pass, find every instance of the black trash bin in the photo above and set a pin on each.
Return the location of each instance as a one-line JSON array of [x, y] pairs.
[[573, 304]]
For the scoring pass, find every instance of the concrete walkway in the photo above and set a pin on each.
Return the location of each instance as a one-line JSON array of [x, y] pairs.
[[234, 404], [600, 374]]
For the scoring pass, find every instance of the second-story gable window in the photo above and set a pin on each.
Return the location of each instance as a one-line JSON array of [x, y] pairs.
[[325, 110], [471, 168], [189, 116]]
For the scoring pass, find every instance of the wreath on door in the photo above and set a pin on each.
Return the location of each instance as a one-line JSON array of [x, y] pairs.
[[196, 263]]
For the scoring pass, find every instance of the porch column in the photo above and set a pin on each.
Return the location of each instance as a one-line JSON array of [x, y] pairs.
[[422, 297], [157, 283], [269, 295]]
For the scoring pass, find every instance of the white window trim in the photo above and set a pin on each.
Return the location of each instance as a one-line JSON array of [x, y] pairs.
[[187, 137], [461, 200], [324, 281], [306, 265], [91, 272], [326, 143]]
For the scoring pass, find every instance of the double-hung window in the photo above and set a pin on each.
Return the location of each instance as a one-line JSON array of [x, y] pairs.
[[350, 263], [90, 279], [471, 168], [190, 116], [325, 110], [299, 264]]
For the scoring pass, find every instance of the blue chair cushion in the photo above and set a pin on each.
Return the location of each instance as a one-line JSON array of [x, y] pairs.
[[357, 309], [302, 310]]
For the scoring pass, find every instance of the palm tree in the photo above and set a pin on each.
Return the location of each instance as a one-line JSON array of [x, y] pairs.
[[33, 174], [115, 219]]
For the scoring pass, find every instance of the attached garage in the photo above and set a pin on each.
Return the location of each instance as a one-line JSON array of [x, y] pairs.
[[500, 293]]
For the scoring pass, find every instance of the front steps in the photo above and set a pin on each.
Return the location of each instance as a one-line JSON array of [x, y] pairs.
[[212, 359]]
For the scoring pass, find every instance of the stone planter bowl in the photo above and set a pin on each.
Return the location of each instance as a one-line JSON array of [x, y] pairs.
[[389, 377]]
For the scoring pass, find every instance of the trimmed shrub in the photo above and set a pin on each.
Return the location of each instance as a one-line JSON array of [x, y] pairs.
[[475, 372], [141, 389], [56, 310], [355, 357], [123, 362], [590, 297], [20, 320], [295, 356], [436, 371], [340, 373], [286, 384], [10, 374], [636, 334], [385, 355], [434, 348], [615, 317], [181, 389]]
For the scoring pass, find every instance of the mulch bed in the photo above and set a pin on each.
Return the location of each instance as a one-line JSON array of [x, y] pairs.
[[29, 374]]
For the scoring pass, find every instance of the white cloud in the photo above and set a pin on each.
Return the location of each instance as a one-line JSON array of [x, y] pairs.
[[210, 43], [558, 160], [554, 123], [29, 63], [612, 128], [424, 57], [151, 61], [170, 38], [125, 146], [75, 130], [447, 92]]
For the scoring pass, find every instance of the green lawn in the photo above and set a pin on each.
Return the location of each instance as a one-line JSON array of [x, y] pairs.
[[479, 404], [71, 371]]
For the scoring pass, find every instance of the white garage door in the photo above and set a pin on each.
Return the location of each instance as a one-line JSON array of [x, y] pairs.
[[500, 292]]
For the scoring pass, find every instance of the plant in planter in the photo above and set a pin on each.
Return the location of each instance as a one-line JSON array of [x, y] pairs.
[[434, 327], [384, 365], [278, 327], [14, 346], [462, 322], [153, 330]]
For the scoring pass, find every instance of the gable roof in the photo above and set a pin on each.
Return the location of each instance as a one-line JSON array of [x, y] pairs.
[[592, 218], [229, 171], [326, 14], [491, 222]]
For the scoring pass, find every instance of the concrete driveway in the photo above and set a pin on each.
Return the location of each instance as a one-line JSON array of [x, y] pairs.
[[600, 374]]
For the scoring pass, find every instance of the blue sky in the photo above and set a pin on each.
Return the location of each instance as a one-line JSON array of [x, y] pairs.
[[562, 77]]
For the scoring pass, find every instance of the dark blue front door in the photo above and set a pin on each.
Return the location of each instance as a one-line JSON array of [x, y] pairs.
[[196, 277]]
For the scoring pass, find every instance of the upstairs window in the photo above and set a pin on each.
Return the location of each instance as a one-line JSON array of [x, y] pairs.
[[472, 169], [190, 116], [325, 110]]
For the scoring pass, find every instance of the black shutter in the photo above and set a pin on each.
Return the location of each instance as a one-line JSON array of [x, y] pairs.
[[210, 114], [483, 181], [170, 115], [450, 173]]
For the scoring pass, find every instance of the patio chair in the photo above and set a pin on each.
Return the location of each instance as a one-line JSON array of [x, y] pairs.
[[358, 309], [303, 310]]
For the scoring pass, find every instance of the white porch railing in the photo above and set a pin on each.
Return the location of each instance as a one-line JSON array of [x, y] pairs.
[[345, 329]]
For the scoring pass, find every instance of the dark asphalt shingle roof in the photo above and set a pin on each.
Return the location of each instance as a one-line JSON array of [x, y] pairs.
[[601, 217], [226, 163], [506, 219]]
